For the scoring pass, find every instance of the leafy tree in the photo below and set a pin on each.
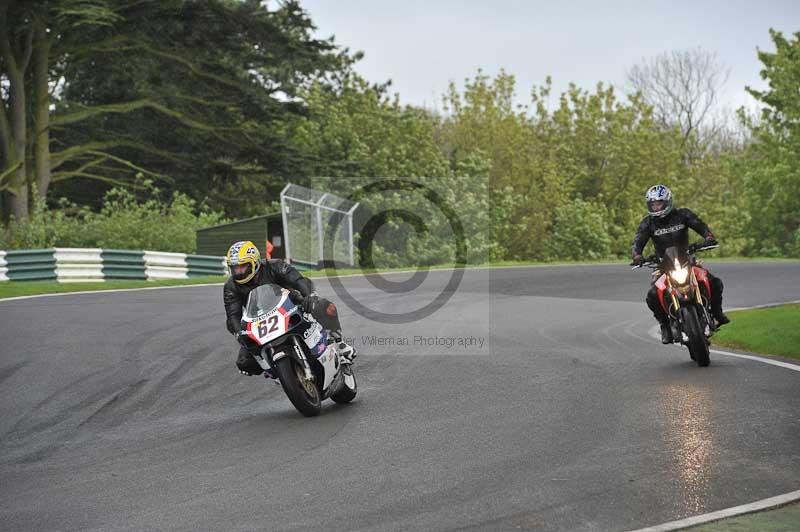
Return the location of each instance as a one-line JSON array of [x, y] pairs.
[[356, 135], [591, 146], [772, 169], [579, 232], [171, 89], [155, 222]]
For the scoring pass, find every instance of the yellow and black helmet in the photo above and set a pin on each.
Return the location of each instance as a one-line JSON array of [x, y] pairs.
[[243, 260]]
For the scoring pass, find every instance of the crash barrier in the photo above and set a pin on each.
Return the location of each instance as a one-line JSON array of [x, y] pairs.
[[93, 264]]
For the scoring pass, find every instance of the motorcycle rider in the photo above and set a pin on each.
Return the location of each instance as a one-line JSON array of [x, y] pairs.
[[249, 271], [670, 227]]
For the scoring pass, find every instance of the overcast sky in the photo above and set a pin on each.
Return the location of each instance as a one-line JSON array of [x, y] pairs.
[[423, 45]]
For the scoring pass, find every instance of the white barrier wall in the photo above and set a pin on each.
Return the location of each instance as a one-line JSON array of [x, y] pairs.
[[3, 269], [78, 264], [160, 265]]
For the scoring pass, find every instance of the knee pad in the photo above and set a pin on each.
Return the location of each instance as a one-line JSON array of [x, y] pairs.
[[330, 309]]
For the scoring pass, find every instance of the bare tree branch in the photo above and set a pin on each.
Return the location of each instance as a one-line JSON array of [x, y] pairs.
[[129, 164], [61, 176], [61, 157], [88, 165], [127, 107], [682, 87], [8, 172], [120, 43]]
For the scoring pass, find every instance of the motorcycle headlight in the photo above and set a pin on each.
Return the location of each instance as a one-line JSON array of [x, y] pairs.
[[680, 273]]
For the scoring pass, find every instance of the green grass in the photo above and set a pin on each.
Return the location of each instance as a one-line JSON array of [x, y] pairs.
[[783, 519], [29, 288], [771, 331]]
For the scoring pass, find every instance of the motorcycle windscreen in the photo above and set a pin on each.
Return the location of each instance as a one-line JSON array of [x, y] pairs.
[[670, 255], [263, 300]]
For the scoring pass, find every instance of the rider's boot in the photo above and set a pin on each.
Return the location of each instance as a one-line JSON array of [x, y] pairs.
[[666, 333], [716, 302], [345, 350], [720, 316]]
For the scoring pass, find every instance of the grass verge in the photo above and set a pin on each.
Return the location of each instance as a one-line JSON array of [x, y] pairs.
[[30, 288], [771, 331], [783, 519]]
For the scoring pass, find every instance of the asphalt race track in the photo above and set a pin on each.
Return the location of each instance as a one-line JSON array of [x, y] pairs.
[[124, 411]]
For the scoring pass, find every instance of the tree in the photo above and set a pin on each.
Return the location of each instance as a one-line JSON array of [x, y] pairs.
[[355, 135], [161, 88], [592, 149], [30, 32], [772, 167], [683, 88]]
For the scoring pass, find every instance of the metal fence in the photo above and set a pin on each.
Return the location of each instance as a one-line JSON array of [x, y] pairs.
[[317, 226]]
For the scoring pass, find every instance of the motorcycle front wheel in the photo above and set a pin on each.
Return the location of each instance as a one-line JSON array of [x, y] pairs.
[[303, 394], [697, 344]]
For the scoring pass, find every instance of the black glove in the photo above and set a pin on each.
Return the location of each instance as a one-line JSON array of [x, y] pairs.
[[296, 296], [638, 260], [710, 241], [311, 303]]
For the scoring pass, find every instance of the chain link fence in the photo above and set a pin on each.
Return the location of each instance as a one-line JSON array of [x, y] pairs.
[[317, 226]]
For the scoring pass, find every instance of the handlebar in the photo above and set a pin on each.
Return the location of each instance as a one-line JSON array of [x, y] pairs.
[[701, 246], [650, 262], [654, 261]]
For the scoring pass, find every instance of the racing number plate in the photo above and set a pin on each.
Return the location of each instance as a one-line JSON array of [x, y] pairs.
[[269, 327]]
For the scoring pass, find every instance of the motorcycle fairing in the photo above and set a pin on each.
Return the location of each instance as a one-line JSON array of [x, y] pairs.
[[661, 290], [702, 279], [270, 325]]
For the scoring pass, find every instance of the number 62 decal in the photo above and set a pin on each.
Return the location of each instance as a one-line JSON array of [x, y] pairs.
[[268, 326]]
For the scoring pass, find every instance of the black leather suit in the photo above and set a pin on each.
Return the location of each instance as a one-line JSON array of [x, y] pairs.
[[673, 230], [283, 274]]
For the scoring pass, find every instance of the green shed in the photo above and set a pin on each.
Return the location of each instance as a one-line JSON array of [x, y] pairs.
[[217, 239]]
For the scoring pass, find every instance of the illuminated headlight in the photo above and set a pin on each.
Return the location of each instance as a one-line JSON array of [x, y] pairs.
[[680, 273]]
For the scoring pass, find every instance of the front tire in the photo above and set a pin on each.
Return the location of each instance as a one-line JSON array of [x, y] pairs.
[[697, 344], [305, 397]]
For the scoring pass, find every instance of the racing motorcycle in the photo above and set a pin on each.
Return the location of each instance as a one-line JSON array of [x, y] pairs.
[[684, 292], [296, 350]]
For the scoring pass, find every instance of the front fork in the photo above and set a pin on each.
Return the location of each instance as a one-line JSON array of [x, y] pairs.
[[682, 300], [676, 319], [299, 355]]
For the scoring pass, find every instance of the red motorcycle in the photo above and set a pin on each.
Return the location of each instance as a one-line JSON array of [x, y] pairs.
[[684, 293]]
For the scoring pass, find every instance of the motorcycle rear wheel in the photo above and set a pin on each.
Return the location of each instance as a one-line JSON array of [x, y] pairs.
[[305, 398], [697, 344]]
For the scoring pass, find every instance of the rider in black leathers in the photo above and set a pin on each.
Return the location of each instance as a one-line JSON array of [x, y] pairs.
[[281, 273], [670, 227]]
